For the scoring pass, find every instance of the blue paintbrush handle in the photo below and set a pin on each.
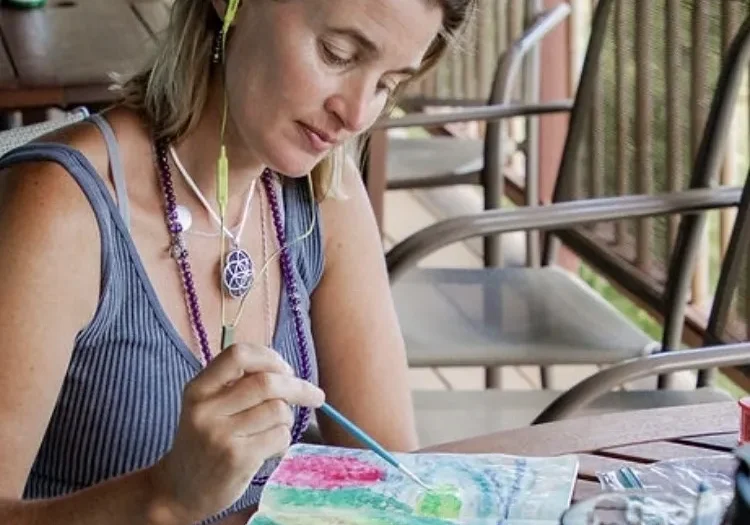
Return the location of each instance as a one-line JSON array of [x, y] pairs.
[[359, 434]]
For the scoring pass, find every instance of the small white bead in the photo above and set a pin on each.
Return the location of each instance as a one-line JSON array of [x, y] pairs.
[[184, 217]]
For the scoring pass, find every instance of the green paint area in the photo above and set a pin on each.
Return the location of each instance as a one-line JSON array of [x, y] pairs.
[[263, 520], [354, 498], [356, 506], [442, 502]]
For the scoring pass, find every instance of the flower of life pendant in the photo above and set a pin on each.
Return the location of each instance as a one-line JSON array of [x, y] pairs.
[[239, 272]]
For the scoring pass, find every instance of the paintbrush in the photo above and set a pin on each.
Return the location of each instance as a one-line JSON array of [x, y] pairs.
[[361, 436], [227, 338]]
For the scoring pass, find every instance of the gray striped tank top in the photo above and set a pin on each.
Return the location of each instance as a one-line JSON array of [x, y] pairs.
[[119, 404]]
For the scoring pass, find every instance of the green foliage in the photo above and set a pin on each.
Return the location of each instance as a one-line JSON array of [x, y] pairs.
[[642, 319]]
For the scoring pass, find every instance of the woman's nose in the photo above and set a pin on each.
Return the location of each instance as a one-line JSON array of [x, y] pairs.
[[353, 107]]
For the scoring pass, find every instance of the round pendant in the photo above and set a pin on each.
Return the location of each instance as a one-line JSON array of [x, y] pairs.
[[239, 273], [184, 217]]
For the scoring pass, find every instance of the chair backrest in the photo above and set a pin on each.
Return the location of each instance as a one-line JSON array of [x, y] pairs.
[[730, 311], [641, 124], [706, 165], [505, 82], [14, 137]]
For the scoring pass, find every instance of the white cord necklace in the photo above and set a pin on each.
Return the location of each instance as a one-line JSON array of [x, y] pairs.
[[239, 269], [266, 284]]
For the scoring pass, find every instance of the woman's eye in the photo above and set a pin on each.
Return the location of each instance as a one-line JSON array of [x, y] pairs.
[[335, 56]]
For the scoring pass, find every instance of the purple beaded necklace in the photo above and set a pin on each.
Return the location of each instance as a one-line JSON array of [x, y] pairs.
[[180, 254]]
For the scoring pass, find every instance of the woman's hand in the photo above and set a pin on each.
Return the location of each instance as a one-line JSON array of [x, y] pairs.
[[235, 416]]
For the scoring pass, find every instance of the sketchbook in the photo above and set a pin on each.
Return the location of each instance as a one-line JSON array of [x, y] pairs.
[[316, 485]]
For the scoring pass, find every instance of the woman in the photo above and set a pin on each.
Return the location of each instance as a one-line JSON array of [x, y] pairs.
[[118, 270]]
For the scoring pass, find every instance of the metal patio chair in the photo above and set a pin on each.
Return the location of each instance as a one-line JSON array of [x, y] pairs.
[[494, 317]]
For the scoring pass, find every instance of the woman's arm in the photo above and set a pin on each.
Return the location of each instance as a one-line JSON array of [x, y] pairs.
[[49, 284], [122, 501], [363, 368]]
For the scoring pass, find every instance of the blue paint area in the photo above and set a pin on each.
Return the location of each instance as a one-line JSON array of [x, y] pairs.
[[515, 489], [263, 520]]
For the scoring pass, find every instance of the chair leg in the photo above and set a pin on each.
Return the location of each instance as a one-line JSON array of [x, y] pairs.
[[544, 377], [493, 377], [705, 378], [34, 115], [10, 119], [665, 382]]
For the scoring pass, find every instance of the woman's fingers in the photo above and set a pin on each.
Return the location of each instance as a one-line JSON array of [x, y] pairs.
[[263, 417], [256, 389], [272, 442], [231, 365]]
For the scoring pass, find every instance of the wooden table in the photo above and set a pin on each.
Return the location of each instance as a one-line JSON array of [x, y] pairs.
[[63, 54], [610, 441]]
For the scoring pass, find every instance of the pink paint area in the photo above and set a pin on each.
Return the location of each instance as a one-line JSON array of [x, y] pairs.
[[327, 472]]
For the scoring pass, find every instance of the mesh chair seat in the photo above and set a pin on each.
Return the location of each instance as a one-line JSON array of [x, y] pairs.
[[510, 316], [14, 137], [444, 416], [434, 161]]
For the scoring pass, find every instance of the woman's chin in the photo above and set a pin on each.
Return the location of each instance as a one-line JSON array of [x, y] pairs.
[[297, 167]]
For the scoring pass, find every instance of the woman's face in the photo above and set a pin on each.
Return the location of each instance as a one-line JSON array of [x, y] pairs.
[[305, 75]]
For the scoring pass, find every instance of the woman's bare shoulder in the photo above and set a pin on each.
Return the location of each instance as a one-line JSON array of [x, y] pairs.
[[86, 139], [44, 211], [45, 188], [45, 216]]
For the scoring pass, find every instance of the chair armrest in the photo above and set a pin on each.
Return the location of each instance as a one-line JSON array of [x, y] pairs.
[[542, 24], [555, 216], [414, 104], [469, 114], [512, 59], [602, 382]]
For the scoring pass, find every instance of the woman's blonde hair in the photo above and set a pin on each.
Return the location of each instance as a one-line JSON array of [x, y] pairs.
[[173, 89]]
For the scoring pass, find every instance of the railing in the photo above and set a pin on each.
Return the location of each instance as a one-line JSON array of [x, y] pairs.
[[466, 74], [666, 63], [687, 43]]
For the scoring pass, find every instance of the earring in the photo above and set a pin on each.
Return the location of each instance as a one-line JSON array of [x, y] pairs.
[[216, 52]]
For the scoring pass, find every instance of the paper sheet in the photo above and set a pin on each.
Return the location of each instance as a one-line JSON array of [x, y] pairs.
[[316, 485]]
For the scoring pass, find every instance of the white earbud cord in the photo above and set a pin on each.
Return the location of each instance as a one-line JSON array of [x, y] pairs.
[[199, 195]]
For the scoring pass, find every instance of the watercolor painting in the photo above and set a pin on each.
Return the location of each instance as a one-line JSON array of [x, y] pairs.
[[315, 485]]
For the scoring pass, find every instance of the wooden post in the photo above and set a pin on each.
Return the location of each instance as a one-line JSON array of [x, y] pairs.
[[376, 172], [555, 85]]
